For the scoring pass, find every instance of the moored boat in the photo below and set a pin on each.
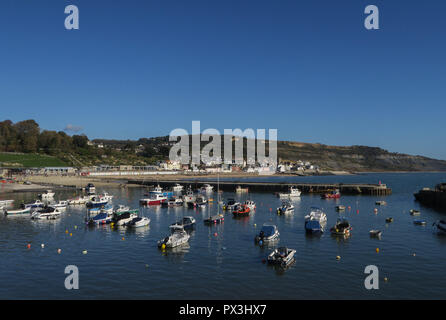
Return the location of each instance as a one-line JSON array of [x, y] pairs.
[[155, 199], [218, 218], [414, 212], [231, 205], [335, 194], [286, 207], [122, 218], [292, 193], [46, 196], [250, 204], [177, 237], [419, 222], [48, 213], [340, 208], [269, 232], [19, 212], [177, 187], [239, 189], [375, 233], [342, 227], [315, 221], [282, 256], [138, 222], [241, 211], [380, 203], [187, 223]]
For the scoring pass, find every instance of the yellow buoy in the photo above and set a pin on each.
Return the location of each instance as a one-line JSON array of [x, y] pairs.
[[377, 250], [163, 246], [66, 231], [71, 234], [123, 238], [338, 257]]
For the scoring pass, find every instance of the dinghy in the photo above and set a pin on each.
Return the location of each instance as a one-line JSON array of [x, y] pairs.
[[282, 256]]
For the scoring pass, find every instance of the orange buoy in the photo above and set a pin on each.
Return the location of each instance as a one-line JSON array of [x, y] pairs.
[[28, 246]]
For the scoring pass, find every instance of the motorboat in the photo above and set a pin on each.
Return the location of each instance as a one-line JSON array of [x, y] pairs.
[[315, 221], [177, 237], [231, 205], [35, 204], [187, 223], [375, 233], [106, 196], [138, 222], [79, 200], [124, 217], [6, 203], [108, 208], [207, 188], [173, 202], [282, 256], [61, 205], [177, 187], [201, 202], [189, 196], [241, 211], [159, 191], [335, 194], [269, 232], [340, 208], [342, 227], [48, 213], [250, 204], [19, 212], [293, 193], [90, 188], [419, 222], [286, 207], [440, 225], [380, 203], [239, 189], [389, 220], [96, 202], [218, 218], [46, 196], [155, 199], [414, 212], [101, 218], [121, 209]]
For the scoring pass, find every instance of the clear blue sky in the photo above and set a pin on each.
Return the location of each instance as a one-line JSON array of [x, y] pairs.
[[308, 68]]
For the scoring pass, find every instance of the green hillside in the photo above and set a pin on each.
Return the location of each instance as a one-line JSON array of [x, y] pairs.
[[29, 160]]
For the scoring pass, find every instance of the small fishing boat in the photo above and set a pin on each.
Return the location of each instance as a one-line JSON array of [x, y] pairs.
[[239, 189], [100, 218], [96, 202], [389, 220], [189, 196], [138, 222], [178, 236], [419, 222], [48, 213], [286, 207], [293, 193], [35, 204], [61, 205], [381, 203], [106, 197], [269, 232], [340, 208], [414, 212], [342, 227], [79, 200], [155, 199], [46, 196], [159, 191], [335, 194], [177, 187], [218, 218], [375, 233], [282, 256], [315, 221], [122, 218], [440, 225], [187, 223], [90, 188], [242, 211], [250, 204], [173, 202], [231, 205], [206, 188], [19, 212], [121, 209], [201, 202]]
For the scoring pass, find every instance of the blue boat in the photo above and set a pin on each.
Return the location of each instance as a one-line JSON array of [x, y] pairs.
[[315, 221], [95, 202], [100, 218], [313, 226], [419, 222]]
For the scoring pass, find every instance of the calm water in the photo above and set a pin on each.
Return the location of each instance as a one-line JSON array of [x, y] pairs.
[[222, 261]]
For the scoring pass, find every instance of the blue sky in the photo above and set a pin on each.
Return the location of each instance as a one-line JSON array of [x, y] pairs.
[[308, 68]]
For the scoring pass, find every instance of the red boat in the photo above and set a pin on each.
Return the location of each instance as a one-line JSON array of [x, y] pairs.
[[332, 195], [155, 199], [242, 211]]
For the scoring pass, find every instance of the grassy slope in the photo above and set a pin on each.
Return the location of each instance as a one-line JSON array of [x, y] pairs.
[[29, 160]]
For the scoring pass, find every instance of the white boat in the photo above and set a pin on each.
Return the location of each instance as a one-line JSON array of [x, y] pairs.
[[155, 199], [61, 205], [286, 207], [47, 196], [187, 223], [106, 197], [250, 204], [79, 200], [90, 189], [239, 189], [48, 213], [293, 193], [189, 196], [177, 188], [19, 212], [35, 204], [316, 214], [207, 188], [121, 208], [138, 222], [414, 212], [315, 221], [282, 256], [269, 232], [231, 205], [6, 203], [177, 237], [122, 218]]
